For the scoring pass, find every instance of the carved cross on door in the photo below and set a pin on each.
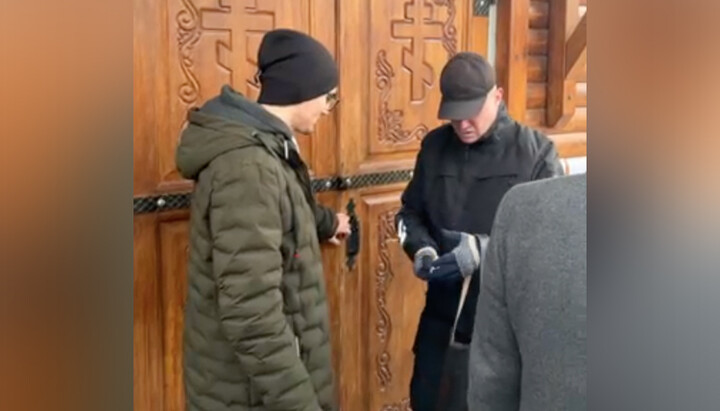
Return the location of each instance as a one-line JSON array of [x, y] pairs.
[[241, 20], [418, 27]]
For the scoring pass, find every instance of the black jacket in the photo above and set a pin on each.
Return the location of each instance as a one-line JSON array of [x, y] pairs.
[[459, 186]]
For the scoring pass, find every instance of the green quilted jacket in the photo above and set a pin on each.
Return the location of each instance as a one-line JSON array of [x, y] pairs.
[[256, 320]]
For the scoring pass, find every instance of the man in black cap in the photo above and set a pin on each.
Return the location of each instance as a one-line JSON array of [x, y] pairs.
[[462, 171], [257, 334]]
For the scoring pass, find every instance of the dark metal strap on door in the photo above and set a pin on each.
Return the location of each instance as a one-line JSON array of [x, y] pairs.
[[179, 201], [482, 7], [176, 201]]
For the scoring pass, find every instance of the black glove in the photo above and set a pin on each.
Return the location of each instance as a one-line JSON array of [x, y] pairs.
[[462, 261], [423, 260]]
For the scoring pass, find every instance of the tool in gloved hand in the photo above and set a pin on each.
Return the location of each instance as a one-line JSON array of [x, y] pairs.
[[463, 259], [424, 258]]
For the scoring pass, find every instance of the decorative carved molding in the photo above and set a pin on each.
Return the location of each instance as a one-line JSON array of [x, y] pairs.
[[449, 29], [257, 17], [264, 16], [390, 122], [386, 231], [188, 34], [417, 27], [403, 405]]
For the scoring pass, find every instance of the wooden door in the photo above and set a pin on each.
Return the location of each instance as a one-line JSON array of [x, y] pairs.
[[390, 54], [184, 51]]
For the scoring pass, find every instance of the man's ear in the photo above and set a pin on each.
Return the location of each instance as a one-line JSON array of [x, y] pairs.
[[500, 93]]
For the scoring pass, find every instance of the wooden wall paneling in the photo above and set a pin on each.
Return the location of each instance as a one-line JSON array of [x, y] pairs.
[[147, 80], [350, 327], [394, 77], [390, 56], [212, 43], [571, 137], [537, 95], [353, 54], [561, 89], [576, 49], [512, 63], [581, 94], [161, 252], [537, 69], [147, 317], [582, 77], [396, 299], [200, 45], [577, 122], [322, 144], [538, 14], [333, 258], [570, 144], [537, 42], [392, 299], [478, 34], [174, 248]]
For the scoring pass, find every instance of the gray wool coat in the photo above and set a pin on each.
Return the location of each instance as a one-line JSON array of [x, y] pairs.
[[528, 348]]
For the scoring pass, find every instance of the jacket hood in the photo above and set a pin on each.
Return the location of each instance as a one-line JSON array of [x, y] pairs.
[[227, 122]]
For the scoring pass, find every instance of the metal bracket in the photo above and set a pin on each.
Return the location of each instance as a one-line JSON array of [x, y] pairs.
[[482, 7], [352, 247]]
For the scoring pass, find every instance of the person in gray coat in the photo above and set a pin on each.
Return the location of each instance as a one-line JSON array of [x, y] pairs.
[[528, 347]]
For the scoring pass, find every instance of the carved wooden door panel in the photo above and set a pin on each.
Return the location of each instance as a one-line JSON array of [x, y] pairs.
[[391, 53], [184, 51], [382, 303], [392, 100]]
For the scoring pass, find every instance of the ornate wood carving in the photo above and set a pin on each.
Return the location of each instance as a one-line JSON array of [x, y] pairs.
[[383, 278], [390, 122], [449, 30], [418, 27], [188, 33], [403, 405], [258, 17], [216, 43]]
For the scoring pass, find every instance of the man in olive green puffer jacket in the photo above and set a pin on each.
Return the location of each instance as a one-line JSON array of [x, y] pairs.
[[257, 332]]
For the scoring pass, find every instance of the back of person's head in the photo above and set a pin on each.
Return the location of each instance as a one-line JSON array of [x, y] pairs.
[[294, 68]]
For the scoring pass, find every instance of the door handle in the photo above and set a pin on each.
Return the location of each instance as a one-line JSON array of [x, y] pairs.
[[352, 247]]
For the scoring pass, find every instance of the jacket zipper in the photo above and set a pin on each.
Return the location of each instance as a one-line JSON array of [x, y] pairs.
[[463, 166]]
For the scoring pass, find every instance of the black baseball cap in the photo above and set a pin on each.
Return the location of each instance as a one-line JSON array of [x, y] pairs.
[[465, 81]]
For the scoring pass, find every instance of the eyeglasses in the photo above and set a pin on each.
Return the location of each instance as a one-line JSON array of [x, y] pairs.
[[332, 99]]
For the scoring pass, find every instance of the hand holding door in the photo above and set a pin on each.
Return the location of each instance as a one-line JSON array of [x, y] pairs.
[[343, 229]]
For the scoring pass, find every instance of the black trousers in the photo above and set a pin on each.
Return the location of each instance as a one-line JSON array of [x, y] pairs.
[[430, 349]]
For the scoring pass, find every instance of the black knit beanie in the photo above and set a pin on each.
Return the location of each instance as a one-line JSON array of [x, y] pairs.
[[294, 67]]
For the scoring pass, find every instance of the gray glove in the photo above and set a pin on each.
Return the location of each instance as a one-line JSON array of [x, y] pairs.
[[424, 258], [463, 260]]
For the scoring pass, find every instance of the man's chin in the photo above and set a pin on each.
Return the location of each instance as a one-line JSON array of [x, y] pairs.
[[468, 139], [305, 130]]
